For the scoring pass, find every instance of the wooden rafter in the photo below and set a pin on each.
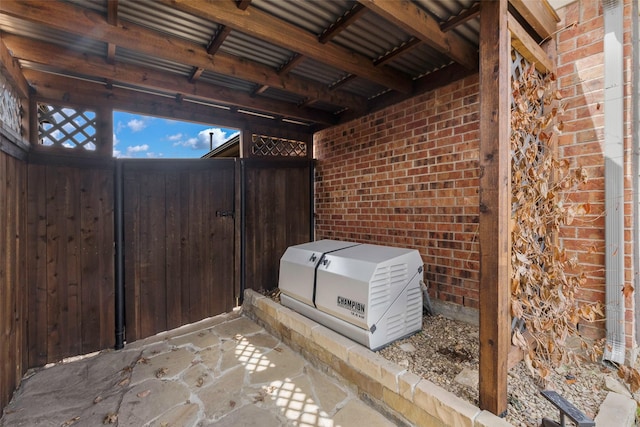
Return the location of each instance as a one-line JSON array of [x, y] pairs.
[[72, 92], [419, 24], [11, 69], [399, 51], [243, 4], [75, 20], [342, 23], [293, 62], [280, 33], [539, 15], [524, 43], [58, 57], [217, 40], [343, 81], [461, 18], [112, 19]]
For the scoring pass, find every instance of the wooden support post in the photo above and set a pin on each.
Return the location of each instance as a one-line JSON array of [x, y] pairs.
[[495, 205]]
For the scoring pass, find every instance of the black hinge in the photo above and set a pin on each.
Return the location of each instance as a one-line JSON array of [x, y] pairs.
[[224, 213]]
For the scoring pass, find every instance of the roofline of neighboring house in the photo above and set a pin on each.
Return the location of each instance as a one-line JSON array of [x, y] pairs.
[[223, 149]]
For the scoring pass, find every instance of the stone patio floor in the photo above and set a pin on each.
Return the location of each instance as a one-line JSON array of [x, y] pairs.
[[223, 371]]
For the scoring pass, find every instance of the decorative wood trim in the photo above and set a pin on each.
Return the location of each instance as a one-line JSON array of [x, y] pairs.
[[495, 205], [11, 69]]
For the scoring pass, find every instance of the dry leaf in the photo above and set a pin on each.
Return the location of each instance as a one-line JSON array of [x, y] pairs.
[[98, 399], [232, 403], [627, 290], [70, 422], [161, 372], [110, 418], [123, 382], [143, 394]]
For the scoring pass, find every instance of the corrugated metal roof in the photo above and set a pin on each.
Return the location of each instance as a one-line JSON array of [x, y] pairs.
[[370, 36], [142, 60], [312, 16], [248, 47], [165, 19], [317, 71], [228, 82]]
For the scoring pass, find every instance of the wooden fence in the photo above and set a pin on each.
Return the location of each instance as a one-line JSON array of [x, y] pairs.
[[191, 243]]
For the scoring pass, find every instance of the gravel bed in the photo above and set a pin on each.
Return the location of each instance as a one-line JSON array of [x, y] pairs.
[[445, 347]]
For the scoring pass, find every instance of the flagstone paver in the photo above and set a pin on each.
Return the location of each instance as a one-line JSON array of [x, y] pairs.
[[224, 371]]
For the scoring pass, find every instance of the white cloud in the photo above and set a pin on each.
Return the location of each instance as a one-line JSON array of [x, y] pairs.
[[136, 125], [152, 155], [201, 142], [176, 137], [115, 139], [137, 149]]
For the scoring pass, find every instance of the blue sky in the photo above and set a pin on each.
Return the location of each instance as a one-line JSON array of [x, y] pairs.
[[144, 137]]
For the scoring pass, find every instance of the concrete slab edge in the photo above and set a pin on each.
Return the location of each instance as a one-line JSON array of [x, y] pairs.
[[402, 395]]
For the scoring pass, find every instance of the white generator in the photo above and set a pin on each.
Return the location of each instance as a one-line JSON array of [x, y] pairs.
[[368, 293]]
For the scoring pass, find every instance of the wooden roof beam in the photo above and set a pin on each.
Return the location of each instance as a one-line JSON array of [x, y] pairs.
[[243, 4], [11, 69], [64, 16], [112, 19], [72, 92], [539, 14], [280, 33], [419, 24], [293, 62], [342, 23], [400, 50], [524, 43], [217, 40], [467, 15], [60, 58]]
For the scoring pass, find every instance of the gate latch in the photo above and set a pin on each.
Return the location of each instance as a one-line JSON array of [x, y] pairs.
[[224, 213]]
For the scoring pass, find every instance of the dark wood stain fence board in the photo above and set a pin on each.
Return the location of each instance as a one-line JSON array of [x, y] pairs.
[[70, 279], [277, 212], [179, 256], [13, 344]]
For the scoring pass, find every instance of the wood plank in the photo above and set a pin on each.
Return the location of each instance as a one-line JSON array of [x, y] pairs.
[[71, 262], [413, 19], [351, 16], [173, 250], [461, 18], [56, 295], [11, 70], [104, 241], [80, 21], [5, 289], [131, 219], [530, 50], [37, 272], [273, 30], [539, 14], [185, 249], [495, 205], [217, 40]]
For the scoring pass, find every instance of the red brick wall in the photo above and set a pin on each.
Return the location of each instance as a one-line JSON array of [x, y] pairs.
[[407, 176], [580, 73]]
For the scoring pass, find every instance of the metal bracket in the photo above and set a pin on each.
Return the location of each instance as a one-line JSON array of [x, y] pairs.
[[566, 408], [224, 213]]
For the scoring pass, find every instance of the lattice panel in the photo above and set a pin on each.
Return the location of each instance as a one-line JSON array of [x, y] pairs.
[[67, 127], [527, 151], [270, 146], [10, 114]]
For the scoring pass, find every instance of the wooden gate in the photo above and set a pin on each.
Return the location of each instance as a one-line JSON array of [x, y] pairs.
[[179, 264]]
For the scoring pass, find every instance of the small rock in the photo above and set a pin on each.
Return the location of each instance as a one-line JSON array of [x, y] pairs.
[[615, 386], [404, 363], [468, 377], [408, 347]]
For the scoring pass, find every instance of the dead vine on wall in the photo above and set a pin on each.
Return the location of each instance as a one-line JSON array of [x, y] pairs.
[[543, 293]]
